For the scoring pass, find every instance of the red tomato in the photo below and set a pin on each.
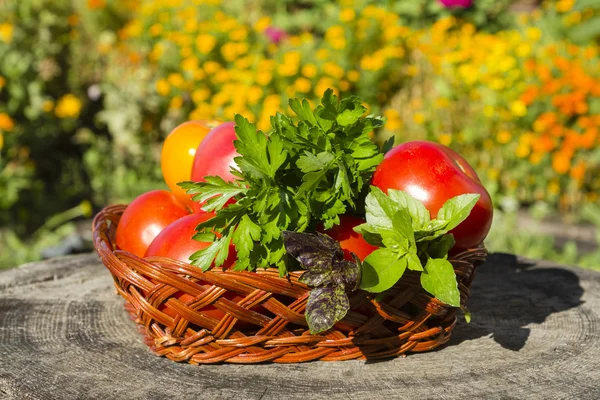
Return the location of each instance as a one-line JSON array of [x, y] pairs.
[[178, 151], [434, 173], [350, 241], [175, 241], [145, 217], [214, 156]]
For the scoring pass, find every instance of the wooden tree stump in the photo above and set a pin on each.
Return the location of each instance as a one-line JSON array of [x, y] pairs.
[[535, 335]]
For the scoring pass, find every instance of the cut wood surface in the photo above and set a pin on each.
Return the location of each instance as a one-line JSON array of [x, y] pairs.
[[64, 334]]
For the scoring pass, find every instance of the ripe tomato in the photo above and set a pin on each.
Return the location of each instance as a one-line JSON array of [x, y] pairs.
[[214, 156], [434, 173], [145, 217], [178, 151], [350, 241], [175, 241]]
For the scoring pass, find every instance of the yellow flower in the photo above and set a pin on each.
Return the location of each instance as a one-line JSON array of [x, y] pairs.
[[322, 54], [6, 32], [163, 87], [133, 29], [309, 70], [189, 64], [322, 85], [302, 85], [344, 85], [48, 105], [333, 70], [262, 24], [286, 69], [199, 95], [393, 122], [205, 43], [6, 123], [564, 6], [353, 75], [211, 67], [419, 118], [493, 174], [176, 103], [255, 93], [176, 80], [445, 139], [238, 35], [156, 29], [264, 77], [553, 187], [372, 62], [347, 15], [518, 108], [442, 102], [229, 51], [488, 111], [503, 137], [533, 34], [2, 82], [68, 106], [203, 111]]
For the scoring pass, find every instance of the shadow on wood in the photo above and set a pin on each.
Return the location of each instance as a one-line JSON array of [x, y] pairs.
[[508, 295]]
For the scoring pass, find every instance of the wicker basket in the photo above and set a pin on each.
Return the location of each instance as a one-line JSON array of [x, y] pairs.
[[265, 323]]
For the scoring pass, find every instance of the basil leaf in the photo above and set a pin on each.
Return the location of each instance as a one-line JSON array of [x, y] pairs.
[[439, 280], [439, 248], [457, 209], [325, 307], [313, 251], [379, 209], [419, 214], [381, 270], [414, 263]]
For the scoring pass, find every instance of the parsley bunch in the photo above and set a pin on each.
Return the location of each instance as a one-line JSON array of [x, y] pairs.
[[302, 173]]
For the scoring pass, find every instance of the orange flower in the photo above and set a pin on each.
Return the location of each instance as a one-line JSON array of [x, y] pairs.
[[552, 86], [530, 65], [557, 131], [581, 107], [529, 96], [96, 4], [589, 137], [578, 171], [561, 162], [544, 144], [561, 63]]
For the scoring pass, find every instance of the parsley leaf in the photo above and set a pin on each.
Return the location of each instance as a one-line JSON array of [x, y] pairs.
[[305, 171]]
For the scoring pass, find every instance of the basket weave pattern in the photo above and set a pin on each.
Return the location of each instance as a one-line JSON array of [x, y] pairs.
[[267, 323]]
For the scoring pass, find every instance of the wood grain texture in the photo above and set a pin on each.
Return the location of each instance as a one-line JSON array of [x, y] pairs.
[[535, 335]]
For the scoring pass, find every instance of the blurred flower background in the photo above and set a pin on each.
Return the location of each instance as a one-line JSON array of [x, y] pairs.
[[90, 88]]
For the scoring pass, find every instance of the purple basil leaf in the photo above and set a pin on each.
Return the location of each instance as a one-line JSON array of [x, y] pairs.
[[325, 307], [314, 251], [348, 273], [314, 278]]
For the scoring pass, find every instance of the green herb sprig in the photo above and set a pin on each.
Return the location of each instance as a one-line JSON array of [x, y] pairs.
[[408, 238], [300, 174]]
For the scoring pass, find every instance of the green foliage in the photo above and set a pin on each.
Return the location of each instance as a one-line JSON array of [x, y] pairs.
[[299, 174], [410, 239]]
